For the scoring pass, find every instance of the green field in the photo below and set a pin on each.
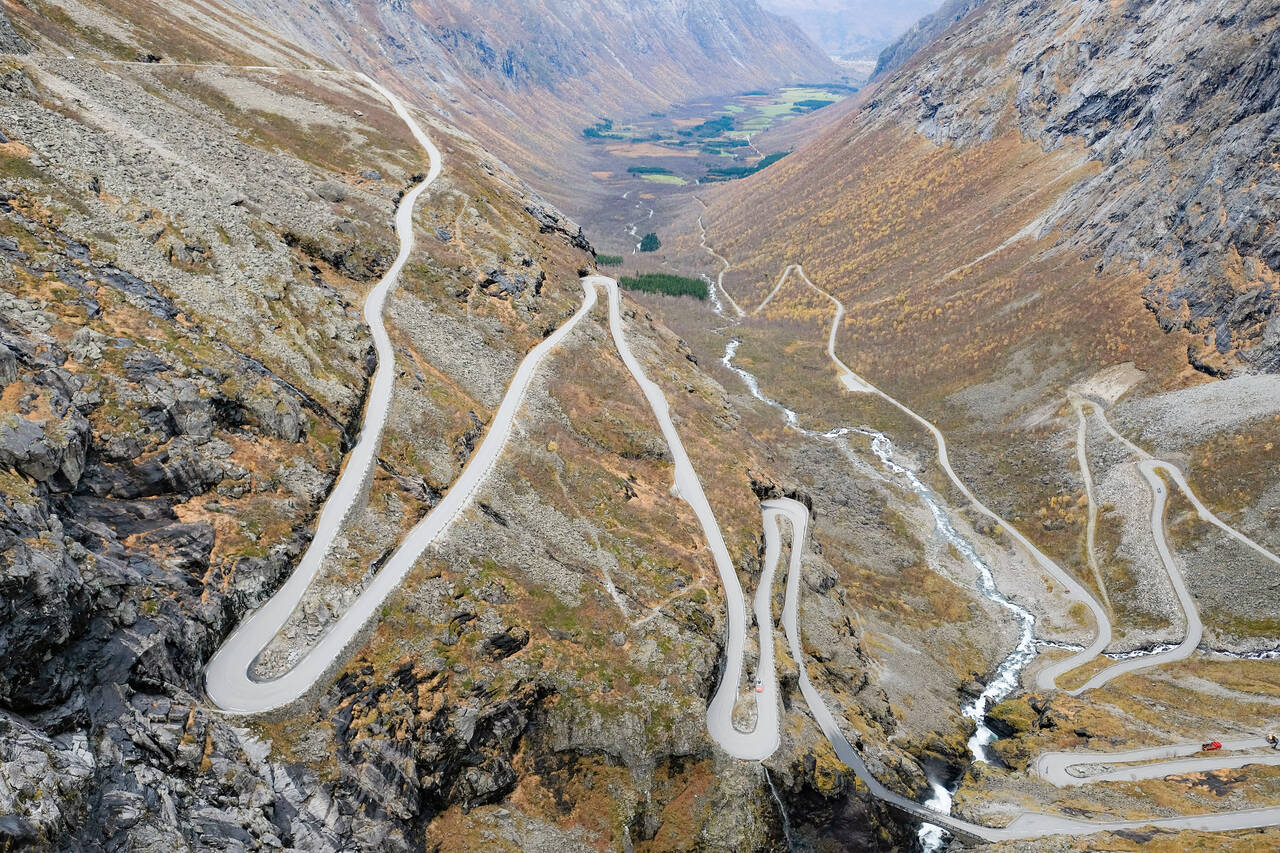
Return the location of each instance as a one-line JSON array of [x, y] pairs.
[[675, 180], [717, 131]]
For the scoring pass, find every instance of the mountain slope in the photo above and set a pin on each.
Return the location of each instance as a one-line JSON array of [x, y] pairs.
[[1148, 147], [528, 76], [185, 247]]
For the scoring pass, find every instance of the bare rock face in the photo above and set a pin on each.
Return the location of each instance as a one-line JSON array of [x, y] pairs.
[[422, 752], [1180, 105], [10, 41], [1201, 205]]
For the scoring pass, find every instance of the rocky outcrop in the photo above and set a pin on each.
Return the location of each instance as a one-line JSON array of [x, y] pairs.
[[412, 751], [351, 259], [550, 222], [103, 624], [1197, 211], [10, 41]]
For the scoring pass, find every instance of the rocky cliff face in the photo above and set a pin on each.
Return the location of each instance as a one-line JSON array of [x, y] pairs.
[[1195, 210], [1173, 105], [527, 77]]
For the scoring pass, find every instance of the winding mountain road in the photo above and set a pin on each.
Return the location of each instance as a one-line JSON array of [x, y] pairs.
[[227, 676], [762, 741], [229, 681], [1054, 767], [1150, 470], [1086, 474], [232, 687], [1047, 677], [725, 266], [1181, 482]]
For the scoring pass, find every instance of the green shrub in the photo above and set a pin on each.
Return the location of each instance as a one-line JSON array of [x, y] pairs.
[[608, 260], [715, 126], [648, 170], [650, 243], [599, 131], [660, 282]]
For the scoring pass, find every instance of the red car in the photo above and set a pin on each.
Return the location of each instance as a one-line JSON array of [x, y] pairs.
[[1211, 746]]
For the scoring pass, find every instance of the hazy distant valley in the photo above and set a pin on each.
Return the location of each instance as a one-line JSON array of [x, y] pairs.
[[597, 426], [853, 29]]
